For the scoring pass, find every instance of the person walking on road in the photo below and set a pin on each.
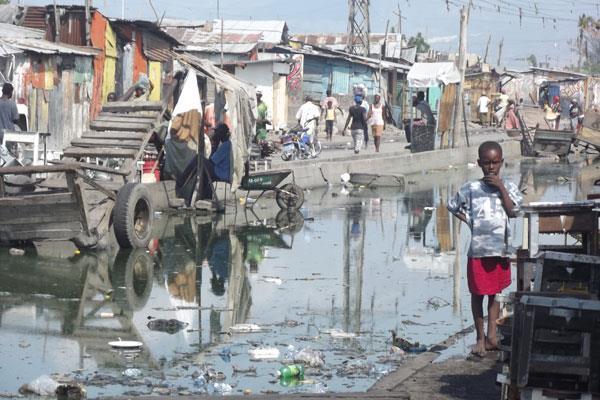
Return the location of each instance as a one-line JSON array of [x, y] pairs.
[[358, 116], [483, 105], [576, 115], [375, 117], [9, 115]]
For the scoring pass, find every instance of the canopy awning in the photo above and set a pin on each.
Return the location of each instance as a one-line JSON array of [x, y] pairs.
[[424, 75]]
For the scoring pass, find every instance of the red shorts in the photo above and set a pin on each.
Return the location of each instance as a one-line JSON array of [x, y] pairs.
[[488, 275]]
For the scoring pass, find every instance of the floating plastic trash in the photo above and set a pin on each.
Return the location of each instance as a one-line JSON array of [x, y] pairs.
[[125, 344], [264, 353]]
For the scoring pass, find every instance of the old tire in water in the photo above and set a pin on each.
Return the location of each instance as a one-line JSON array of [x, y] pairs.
[[132, 216], [131, 278], [290, 197]]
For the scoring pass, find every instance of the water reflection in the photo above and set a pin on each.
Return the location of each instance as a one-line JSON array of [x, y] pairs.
[[366, 263]]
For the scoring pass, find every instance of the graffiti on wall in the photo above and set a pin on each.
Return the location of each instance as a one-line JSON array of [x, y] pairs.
[[593, 100], [572, 90], [294, 78]]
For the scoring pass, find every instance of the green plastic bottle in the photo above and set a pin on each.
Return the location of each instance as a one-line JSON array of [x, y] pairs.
[[289, 371]]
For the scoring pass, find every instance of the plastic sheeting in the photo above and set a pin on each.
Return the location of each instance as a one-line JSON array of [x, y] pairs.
[[240, 100], [425, 75]]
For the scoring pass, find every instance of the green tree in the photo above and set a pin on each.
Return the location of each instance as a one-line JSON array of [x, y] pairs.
[[532, 60], [420, 42], [4, 1]]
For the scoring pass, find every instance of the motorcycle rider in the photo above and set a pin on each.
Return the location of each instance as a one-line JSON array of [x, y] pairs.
[[308, 116]]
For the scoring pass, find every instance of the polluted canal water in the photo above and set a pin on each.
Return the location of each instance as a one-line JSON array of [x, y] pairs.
[[221, 305]]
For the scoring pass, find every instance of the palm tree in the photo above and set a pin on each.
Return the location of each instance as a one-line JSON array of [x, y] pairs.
[[420, 42]]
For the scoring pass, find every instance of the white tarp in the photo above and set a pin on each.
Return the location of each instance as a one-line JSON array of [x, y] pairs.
[[424, 75]]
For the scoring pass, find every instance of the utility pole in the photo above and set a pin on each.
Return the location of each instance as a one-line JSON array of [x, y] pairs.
[[457, 139], [359, 27], [88, 23], [399, 31], [383, 52], [487, 47], [222, 43], [56, 24], [500, 51]]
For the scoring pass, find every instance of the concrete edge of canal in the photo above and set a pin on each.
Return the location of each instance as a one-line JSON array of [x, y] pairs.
[[321, 172]]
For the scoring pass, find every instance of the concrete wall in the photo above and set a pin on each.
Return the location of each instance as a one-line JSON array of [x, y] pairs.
[[322, 171]]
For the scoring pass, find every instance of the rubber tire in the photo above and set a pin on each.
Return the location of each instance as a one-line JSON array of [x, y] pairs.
[[285, 157], [130, 197], [132, 278], [285, 202], [289, 221], [318, 147]]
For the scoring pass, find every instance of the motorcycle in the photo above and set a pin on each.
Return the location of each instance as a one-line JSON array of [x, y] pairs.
[[296, 143]]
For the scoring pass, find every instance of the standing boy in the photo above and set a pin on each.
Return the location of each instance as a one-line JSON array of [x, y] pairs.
[[485, 206]]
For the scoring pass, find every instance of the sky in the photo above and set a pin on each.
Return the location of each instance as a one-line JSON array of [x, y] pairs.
[[531, 34]]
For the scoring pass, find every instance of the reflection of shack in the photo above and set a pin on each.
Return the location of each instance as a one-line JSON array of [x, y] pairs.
[[99, 307], [438, 81]]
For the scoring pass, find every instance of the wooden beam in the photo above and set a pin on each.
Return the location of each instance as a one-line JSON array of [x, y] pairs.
[[76, 152], [37, 169], [123, 144], [146, 115], [95, 167], [120, 126], [62, 230], [36, 199], [132, 106], [127, 119], [110, 194], [116, 135]]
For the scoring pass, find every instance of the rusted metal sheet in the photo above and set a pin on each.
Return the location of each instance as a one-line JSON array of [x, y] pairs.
[[155, 48], [35, 17]]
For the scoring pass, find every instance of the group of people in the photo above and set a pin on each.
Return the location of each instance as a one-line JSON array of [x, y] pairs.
[[553, 112], [502, 110], [361, 116]]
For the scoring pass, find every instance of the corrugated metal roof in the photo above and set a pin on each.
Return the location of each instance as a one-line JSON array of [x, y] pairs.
[[7, 50], [41, 46], [230, 48], [155, 48], [270, 31], [148, 26], [9, 31], [191, 36], [35, 17], [236, 31]]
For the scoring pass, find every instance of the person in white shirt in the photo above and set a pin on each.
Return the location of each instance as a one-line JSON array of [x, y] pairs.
[[308, 116], [308, 112], [483, 105]]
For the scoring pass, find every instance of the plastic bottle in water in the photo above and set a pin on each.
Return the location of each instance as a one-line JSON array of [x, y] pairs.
[[294, 370]]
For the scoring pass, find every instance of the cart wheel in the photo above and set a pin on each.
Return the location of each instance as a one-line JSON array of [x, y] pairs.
[[132, 216], [318, 147], [289, 221], [290, 197]]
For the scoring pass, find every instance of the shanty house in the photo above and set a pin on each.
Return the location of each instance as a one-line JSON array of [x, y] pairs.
[[270, 78], [53, 80], [313, 71]]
